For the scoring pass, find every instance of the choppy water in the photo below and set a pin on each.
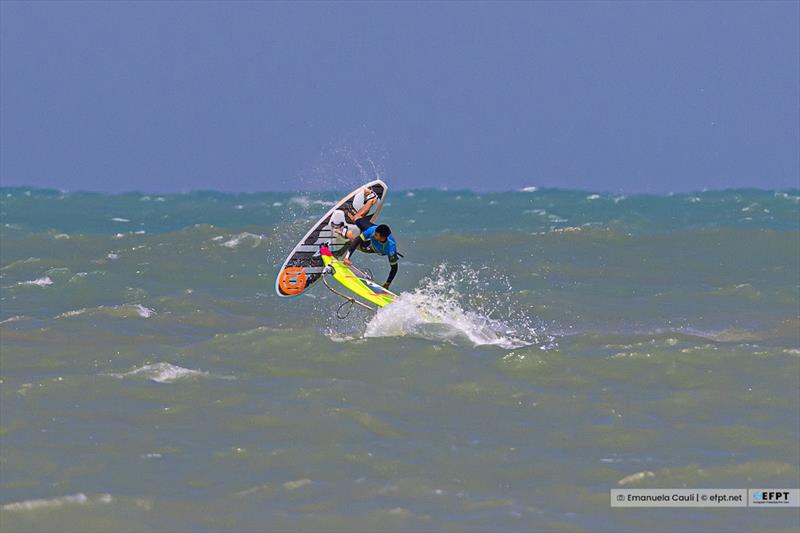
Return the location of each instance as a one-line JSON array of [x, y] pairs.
[[150, 378]]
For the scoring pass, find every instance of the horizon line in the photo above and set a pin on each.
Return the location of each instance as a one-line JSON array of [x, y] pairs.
[[525, 190]]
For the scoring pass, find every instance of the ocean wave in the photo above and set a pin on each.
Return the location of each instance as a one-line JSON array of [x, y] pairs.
[[21, 262], [39, 282], [121, 311], [164, 372], [13, 319], [438, 310], [305, 202], [71, 499], [240, 238]]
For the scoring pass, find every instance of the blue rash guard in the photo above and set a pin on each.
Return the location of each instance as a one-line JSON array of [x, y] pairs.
[[368, 243], [384, 248]]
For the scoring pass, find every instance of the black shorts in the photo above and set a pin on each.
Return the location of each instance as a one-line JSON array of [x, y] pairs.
[[364, 223]]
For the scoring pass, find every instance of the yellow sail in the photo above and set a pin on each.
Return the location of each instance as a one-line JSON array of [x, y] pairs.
[[358, 285]]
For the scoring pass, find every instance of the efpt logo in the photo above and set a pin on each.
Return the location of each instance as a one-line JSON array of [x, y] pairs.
[[760, 497]]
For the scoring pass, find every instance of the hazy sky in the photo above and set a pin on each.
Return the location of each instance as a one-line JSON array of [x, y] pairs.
[[251, 96]]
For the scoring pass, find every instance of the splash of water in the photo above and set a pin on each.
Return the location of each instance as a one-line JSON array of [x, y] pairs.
[[456, 305]]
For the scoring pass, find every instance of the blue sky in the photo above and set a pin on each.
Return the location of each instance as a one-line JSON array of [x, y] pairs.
[[254, 96]]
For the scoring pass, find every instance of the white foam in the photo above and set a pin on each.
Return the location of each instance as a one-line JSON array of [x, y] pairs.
[[302, 201], [118, 219], [435, 311], [69, 314], [593, 197], [41, 282], [144, 312], [162, 373], [793, 198], [71, 499], [242, 237], [529, 189]]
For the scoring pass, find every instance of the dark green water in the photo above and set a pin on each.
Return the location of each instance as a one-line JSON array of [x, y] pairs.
[[150, 378]]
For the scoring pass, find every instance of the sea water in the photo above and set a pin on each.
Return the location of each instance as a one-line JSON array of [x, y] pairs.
[[547, 346]]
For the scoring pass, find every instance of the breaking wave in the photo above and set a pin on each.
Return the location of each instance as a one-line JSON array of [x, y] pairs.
[[457, 306], [167, 373]]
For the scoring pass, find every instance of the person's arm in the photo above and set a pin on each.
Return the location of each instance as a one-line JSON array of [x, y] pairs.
[[370, 198], [392, 270], [364, 210]]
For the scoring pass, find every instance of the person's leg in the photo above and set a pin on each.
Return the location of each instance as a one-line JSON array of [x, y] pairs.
[[364, 224], [370, 198]]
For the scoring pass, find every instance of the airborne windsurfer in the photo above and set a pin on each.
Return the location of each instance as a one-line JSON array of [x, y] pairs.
[[377, 240]]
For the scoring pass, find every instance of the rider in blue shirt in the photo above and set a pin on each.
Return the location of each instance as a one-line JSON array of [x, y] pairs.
[[378, 240]]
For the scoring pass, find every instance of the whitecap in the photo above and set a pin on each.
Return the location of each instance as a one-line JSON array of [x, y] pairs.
[[71, 499], [41, 282], [635, 478], [114, 310], [437, 311], [163, 373], [13, 319], [119, 219], [302, 201], [238, 239], [787, 196], [529, 189], [144, 312], [70, 314]]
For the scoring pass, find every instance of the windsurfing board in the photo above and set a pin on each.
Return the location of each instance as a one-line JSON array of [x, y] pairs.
[[304, 265], [355, 283]]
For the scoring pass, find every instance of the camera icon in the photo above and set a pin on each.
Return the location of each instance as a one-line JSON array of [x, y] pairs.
[[620, 497]]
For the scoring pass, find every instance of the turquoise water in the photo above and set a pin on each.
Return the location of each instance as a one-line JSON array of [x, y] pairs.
[[573, 342]]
